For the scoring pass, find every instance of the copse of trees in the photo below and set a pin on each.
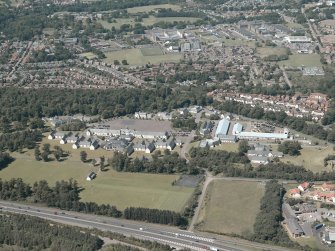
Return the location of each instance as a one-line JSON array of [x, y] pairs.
[[5, 159], [290, 147], [75, 125], [32, 233], [18, 140]]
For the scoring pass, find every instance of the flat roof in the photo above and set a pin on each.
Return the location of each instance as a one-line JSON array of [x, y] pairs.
[[263, 135]]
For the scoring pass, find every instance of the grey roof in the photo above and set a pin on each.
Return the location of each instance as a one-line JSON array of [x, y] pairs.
[[237, 128], [222, 128]]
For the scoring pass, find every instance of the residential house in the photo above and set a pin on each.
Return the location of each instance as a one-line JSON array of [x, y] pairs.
[[295, 193], [142, 115], [150, 135], [328, 186], [304, 186]]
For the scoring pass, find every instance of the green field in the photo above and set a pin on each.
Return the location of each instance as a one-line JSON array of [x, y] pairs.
[[88, 55], [229, 147], [266, 51], [230, 207], [149, 8], [119, 189], [311, 158], [135, 57], [297, 60], [155, 51]]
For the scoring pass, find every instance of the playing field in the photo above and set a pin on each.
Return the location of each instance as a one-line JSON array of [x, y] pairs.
[[136, 57], [230, 207], [119, 189], [311, 158], [152, 7], [297, 60]]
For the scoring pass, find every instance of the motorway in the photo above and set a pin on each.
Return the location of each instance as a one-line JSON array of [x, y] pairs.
[[163, 234]]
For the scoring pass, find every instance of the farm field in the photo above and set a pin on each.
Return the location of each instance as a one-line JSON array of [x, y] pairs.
[[266, 51], [311, 158], [297, 60], [230, 207], [149, 8], [119, 189], [135, 57]]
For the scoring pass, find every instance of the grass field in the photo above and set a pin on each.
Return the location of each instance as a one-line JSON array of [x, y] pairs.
[[231, 207], [119, 189], [266, 51], [155, 51], [89, 55], [297, 60], [135, 57], [149, 8], [229, 147], [311, 158]]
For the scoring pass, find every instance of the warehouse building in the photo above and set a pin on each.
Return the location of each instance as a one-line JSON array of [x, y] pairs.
[[262, 136], [222, 129]]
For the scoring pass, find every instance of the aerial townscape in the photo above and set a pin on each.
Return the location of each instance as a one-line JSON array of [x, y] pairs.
[[131, 125]]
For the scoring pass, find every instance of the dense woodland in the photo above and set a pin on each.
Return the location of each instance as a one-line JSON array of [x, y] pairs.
[[65, 195], [33, 233], [170, 163], [21, 105]]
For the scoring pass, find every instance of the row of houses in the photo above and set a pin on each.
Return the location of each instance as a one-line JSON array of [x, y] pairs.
[[106, 132], [324, 193]]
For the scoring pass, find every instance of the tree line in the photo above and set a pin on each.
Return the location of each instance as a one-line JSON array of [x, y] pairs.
[[155, 216], [32, 233], [65, 195], [267, 227], [170, 163]]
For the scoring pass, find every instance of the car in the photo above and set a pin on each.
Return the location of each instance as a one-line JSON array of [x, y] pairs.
[[141, 228]]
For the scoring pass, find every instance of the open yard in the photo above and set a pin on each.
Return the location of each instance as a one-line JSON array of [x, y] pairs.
[[297, 60], [229, 147], [266, 51], [311, 158], [135, 57], [230, 207], [119, 189], [152, 8]]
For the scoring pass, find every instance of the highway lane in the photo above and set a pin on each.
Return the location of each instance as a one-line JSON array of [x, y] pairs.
[[160, 233]]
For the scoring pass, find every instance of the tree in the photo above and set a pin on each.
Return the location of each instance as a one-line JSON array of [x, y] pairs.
[[46, 148], [124, 62], [102, 163], [37, 153], [45, 156], [58, 153], [116, 62], [83, 156], [243, 146]]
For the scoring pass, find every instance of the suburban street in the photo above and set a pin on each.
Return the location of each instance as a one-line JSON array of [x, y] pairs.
[[163, 234]]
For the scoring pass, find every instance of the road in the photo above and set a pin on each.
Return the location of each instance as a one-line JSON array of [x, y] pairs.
[[163, 234]]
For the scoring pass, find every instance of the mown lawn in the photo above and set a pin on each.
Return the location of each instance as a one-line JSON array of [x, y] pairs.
[[230, 207], [311, 158]]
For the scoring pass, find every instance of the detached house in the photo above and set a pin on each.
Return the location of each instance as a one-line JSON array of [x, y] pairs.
[[304, 186]]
